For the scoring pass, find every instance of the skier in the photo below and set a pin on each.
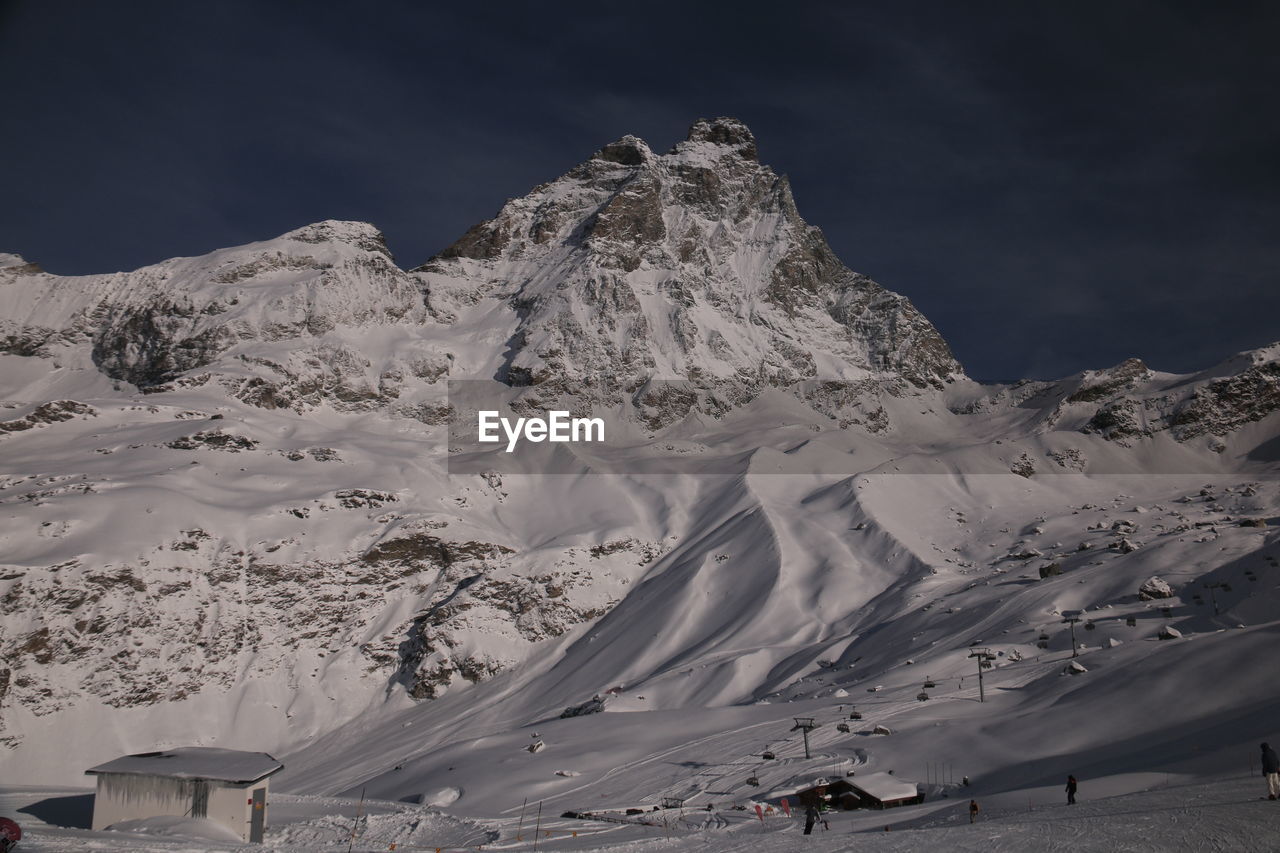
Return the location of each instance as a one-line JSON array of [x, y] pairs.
[[1271, 770], [1071, 790], [10, 835], [973, 810], [813, 800], [811, 816]]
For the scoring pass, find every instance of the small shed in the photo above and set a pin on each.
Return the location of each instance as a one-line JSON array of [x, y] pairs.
[[224, 785]]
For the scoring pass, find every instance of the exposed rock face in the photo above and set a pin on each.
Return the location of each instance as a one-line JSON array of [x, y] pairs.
[[1224, 405], [1101, 384], [689, 265], [47, 413]]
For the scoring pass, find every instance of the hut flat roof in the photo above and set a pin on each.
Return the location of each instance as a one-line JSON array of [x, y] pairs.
[[196, 762], [883, 786]]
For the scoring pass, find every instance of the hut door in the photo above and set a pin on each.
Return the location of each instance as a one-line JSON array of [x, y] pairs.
[[258, 819], [200, 799]]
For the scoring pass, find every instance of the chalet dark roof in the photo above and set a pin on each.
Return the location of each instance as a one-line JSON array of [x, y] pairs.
[[196, 762]]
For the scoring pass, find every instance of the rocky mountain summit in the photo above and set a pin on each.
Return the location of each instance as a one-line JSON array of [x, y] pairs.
[[694, 264], [227, 492]]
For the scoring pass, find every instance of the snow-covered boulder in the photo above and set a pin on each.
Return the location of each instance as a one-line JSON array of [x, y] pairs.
[[440, 796], [1155, 587], [1168, 632], [882, 730], [1074, 668]]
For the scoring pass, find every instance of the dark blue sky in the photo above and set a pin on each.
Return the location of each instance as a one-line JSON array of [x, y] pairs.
[[1057, 186]]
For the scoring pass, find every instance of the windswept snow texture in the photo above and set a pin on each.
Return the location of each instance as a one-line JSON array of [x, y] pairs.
[[228, 520]]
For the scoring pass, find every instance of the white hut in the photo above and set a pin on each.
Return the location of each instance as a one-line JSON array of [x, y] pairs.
[[224, 785]]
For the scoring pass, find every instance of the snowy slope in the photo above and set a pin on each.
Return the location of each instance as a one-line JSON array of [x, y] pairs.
[[230, 517]]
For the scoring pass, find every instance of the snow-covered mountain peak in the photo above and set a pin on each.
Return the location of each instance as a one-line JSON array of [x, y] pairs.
[[693, 264], [361, 235]]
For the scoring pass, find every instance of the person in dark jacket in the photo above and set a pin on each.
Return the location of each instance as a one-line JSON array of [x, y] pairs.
[[973, 810], [813, 801], [1071, 790], [811, 816], [1271, 770]]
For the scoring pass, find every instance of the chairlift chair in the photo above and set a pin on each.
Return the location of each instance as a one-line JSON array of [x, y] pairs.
[[768, 755], [842, 727]]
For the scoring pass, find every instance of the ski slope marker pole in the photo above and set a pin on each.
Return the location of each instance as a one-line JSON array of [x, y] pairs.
[[355, 826]]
